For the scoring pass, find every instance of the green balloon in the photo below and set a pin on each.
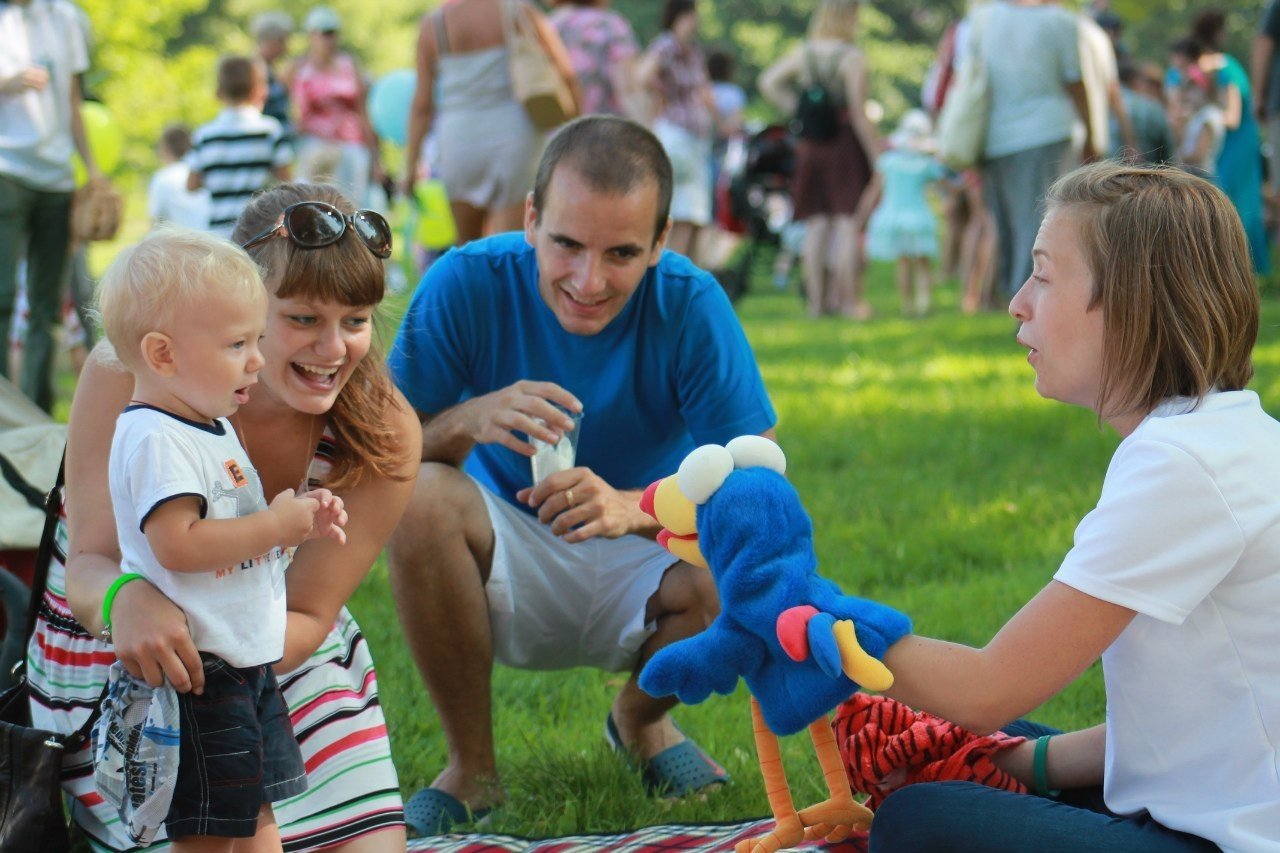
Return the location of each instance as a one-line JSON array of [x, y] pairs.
[[106, 139]]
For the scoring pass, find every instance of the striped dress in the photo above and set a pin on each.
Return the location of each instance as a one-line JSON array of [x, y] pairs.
[[333, 699]]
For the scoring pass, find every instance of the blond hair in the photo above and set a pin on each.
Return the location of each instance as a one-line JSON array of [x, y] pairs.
[[164, 275], [834, 19], [1173, 278]]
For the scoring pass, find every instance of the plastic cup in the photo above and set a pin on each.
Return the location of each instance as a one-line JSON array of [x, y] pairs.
[[561, 456]]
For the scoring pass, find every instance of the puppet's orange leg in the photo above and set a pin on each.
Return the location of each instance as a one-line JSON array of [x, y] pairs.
[[787, 830], [839, 815]]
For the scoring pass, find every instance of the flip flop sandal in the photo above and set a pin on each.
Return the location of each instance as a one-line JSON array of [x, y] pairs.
[[676, 771], [434, 812]]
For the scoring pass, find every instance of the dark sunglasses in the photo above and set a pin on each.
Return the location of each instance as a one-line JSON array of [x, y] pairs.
[[316, 224], [328, 33]]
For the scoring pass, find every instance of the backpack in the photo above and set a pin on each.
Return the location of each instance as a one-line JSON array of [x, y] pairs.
[[817, 118]]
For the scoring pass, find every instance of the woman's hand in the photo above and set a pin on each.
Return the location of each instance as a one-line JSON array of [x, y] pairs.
[[152, 639]]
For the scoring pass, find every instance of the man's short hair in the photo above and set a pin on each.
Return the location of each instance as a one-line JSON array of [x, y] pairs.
[[271, 25], [237, 76], [176, 139], [613, 155], [164, 275]]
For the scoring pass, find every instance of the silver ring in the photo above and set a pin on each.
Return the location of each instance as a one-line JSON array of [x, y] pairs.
[[568, 495]]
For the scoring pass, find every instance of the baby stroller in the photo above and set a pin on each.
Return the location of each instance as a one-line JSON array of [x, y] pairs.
[[754, 192]]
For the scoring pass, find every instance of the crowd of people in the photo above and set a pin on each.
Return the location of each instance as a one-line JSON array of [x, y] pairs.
[[256, 426]]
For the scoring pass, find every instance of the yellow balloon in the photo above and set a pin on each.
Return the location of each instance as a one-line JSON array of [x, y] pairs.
[[106, 139]]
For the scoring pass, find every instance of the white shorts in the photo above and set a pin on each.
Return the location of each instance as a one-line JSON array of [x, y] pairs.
[[556, 605], [690, 170]]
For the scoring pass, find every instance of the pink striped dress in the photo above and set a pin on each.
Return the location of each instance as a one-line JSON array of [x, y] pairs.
[[352, 785]]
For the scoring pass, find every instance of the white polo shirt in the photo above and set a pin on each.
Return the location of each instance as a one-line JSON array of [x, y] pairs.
[[1187, 533]]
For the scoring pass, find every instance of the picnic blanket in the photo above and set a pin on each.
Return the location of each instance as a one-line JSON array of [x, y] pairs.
[[706, 836]]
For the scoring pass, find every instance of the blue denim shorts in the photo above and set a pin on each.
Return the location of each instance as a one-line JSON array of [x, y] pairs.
[[237, 752]]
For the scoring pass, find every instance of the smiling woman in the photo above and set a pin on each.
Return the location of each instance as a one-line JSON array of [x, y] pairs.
[[323, 412]]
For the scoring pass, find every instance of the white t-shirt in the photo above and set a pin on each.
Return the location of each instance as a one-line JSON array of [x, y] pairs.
[[237, 612], [1187, 533], [169, 200], [35, 126], [1031, 52]]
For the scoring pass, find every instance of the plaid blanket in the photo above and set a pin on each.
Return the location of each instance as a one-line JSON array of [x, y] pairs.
[[707, 836]]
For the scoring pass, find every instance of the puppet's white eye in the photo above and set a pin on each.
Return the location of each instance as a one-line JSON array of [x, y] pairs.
[[703, 471], [756, 451]]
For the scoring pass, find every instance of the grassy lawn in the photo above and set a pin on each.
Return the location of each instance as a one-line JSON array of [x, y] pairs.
[[939, 483]]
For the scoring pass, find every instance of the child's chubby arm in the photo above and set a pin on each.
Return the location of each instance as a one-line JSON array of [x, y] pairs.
[[182, 541]]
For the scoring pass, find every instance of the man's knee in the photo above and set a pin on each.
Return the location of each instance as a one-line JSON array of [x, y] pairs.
[[690, 590], [446, 504]]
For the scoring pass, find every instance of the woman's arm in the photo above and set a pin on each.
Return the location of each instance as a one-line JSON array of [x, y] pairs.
[[854, 68], [422, 110], [776, 82], [366, 127], [1072, 759], [1041, 650], [150, 633], [1232, 106], [324, 573]]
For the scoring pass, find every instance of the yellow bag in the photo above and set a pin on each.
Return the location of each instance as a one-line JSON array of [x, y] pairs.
[[535, 80]]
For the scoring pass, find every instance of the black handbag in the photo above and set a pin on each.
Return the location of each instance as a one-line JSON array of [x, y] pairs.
[[31, 813]]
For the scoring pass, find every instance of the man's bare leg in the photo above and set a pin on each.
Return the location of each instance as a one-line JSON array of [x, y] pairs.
[[439, 560], [684, 604]]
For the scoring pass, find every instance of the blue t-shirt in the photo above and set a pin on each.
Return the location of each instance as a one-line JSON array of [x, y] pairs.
[[672, 371]]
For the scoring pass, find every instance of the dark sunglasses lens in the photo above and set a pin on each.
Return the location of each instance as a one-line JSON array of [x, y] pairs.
[[315, 225], [374, 231]]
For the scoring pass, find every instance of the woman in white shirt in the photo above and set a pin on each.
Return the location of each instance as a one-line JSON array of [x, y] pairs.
[[1141, 306]]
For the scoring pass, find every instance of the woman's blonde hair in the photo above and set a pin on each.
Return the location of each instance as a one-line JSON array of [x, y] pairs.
[[344, 273], [834, 19], [165, 275], [1173, 278]]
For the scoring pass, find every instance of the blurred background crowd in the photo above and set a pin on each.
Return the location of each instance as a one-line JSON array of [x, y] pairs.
[[803, 133]]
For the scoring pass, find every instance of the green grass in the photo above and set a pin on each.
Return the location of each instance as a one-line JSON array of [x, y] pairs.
[[939, 483]]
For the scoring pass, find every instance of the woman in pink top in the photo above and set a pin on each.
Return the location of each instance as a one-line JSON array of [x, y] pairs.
[[335, 140]]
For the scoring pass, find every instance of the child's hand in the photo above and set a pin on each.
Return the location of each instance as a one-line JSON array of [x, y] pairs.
[[295, 514], [330, 518]]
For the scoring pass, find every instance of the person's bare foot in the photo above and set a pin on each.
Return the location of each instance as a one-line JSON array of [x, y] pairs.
[[646, 740], [478, 793]]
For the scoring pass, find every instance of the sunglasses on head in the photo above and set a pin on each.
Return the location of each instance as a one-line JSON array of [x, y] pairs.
[[316, 224]]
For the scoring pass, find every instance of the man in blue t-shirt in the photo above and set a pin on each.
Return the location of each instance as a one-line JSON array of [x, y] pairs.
[[582, 313]]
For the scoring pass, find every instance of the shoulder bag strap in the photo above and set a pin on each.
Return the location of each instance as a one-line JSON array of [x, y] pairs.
[[52, 509], [442, 37]]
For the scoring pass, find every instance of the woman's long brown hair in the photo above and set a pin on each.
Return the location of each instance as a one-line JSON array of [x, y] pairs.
[[345, 273]]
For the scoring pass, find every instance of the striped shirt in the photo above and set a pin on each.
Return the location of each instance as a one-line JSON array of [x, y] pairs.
[[236, 154]]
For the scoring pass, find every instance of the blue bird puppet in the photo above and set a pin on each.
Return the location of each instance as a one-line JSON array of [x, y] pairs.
[[801, 645]]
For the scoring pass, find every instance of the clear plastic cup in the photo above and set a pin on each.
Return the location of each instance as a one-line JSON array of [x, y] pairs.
[[561, 456]]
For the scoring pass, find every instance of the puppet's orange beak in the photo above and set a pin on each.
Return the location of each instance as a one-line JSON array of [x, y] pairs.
[[664, 502]]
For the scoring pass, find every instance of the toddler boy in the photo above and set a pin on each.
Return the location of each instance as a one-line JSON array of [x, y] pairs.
[[183, 311]]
